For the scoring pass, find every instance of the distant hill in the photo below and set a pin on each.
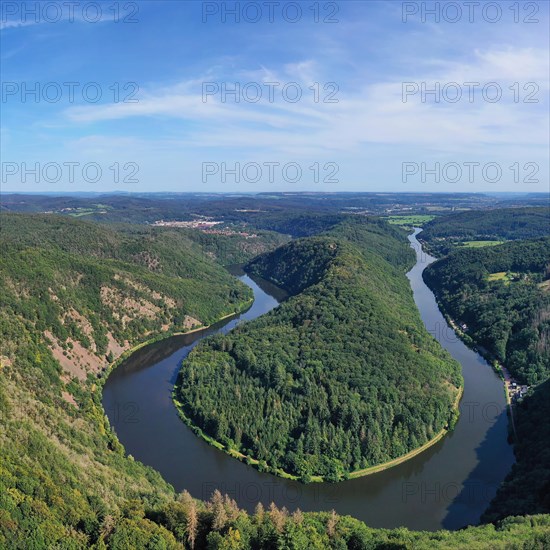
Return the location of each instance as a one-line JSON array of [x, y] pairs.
[[445, 233]]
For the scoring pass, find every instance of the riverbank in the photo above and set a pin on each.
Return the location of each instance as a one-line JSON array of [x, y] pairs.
[[415, 452], [470, 342], [429, 432], [156, 435], [264, 467], [499, 369], [220, 446], [164, 335]]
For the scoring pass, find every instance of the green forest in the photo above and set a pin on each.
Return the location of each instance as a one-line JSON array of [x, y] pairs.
[[502, 294], [89, 284], [234, 248], [340, 377], [526, 489], [66, 481], [445, 233]]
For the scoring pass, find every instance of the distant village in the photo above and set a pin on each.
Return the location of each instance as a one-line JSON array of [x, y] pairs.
[[194, 224], [206, 226]]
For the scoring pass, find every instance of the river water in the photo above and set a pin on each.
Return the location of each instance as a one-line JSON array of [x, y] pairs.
[[447, 486]]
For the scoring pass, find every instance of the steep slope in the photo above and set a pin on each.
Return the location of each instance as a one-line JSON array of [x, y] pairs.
[[93, 291], [526, 489], [340, 377], [502, 294], [74, 296]]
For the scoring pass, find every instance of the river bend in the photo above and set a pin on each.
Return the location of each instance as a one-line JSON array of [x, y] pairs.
[[447, 486]]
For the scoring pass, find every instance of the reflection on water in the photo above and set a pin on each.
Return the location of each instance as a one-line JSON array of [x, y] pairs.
[[449, 485]]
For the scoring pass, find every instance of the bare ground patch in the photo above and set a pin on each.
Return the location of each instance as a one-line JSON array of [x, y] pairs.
[[78, 361]]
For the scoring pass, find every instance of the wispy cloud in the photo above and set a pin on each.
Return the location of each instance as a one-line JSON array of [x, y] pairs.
[[375, 113], [17, 23], [369, 54]]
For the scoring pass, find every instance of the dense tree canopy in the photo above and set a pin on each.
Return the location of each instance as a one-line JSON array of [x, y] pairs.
[[526, 489], [93, 290], [503, 296], [444, 233], [123, 282], [341, 376], [65, 480], [502, 293]]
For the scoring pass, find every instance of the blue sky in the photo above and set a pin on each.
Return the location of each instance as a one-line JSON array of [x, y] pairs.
[[173, 138]]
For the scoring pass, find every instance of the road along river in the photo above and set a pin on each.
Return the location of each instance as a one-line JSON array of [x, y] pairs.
[[447, 486]]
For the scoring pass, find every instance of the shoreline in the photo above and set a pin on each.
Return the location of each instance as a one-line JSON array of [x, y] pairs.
[[251, 461], [159, 337], [254, 462], [500, 370], [467, 340], [411, 454]]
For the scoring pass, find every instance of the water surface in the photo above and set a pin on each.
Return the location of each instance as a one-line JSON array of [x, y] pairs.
[[449, 485]]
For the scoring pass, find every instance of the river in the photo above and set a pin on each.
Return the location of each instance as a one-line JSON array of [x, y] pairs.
[[447, 486]]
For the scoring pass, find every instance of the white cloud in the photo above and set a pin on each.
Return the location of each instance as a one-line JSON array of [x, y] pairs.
[[375, 113], [507, 65], [17, 23]]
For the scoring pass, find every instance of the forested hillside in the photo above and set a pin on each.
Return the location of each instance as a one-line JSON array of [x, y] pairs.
[[93, 291], [502, 294], [65, 480], [236, 247], [446, 233], [341, 376], [526, 489], [74, 296]]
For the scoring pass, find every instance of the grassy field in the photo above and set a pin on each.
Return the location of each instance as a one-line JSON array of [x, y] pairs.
[[81, 213], [499, 276], [480, 244], [505, 276], [417, 220]]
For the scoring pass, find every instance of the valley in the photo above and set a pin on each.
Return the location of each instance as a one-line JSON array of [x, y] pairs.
[[274, 275], [74, 288]]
